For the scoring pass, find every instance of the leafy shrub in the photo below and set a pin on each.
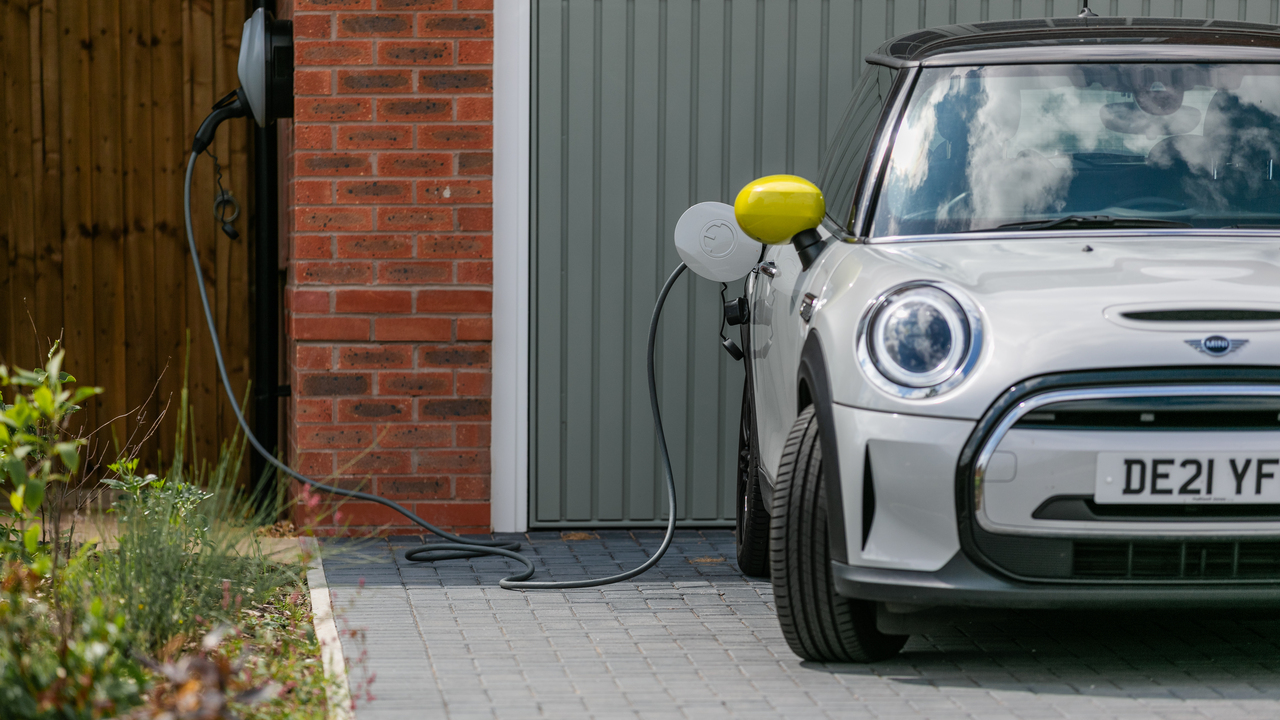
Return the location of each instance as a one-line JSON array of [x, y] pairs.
[[61, 656]]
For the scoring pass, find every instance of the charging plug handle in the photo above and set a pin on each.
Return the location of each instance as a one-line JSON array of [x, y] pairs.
[[232, 105], [737, 311]]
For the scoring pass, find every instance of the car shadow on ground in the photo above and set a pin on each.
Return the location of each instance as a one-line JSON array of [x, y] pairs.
[[1186, 654]]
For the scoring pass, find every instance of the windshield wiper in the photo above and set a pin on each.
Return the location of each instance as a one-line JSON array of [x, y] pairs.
[[1092, 221]]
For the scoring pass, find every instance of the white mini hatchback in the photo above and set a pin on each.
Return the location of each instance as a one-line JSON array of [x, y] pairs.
[[1034, 360]]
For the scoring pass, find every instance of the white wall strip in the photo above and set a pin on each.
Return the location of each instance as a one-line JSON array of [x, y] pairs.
[[509, 475]]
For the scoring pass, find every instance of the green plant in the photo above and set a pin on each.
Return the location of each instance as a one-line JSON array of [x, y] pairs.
[[179, 502], [266, 668], [59, 659], [61, 655], [187, 547], [34, 447], [206, 684], [186, 555]]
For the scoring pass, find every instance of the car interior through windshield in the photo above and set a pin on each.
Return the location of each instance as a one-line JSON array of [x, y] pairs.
[[1085, 146]]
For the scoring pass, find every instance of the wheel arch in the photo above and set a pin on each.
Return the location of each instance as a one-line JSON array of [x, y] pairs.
[[814, 388]]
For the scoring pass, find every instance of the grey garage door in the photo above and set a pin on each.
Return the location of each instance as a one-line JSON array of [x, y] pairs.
[[641, 109]]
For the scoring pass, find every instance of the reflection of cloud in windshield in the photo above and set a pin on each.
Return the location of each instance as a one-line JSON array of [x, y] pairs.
[[1005, 182], [1259, 91], [910, 164], [979, 147], [1230, 165]]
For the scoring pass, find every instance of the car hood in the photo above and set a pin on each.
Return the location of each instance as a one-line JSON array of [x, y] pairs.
[[1059, 304]]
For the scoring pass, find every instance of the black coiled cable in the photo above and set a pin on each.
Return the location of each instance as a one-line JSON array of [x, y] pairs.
[[454, 547]]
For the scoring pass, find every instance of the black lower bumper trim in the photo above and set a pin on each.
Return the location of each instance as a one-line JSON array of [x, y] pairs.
[[960, 583]]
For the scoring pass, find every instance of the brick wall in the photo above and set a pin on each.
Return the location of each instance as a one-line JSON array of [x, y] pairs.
[[387, 172]]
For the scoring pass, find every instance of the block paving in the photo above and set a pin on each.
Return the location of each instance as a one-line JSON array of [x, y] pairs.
[[693, 638]]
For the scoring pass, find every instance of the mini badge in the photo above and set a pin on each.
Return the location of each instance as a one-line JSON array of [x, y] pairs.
[[1217, 345]]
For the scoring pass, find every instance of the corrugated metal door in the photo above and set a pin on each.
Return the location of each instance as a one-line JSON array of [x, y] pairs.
[[641, 109]]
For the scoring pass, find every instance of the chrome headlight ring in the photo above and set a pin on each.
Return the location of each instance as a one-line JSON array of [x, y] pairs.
[[961, 317]]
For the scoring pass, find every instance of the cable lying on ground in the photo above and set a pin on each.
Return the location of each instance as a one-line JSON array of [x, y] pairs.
[[454, 547]]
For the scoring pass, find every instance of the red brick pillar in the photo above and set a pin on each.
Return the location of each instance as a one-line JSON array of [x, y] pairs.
[[387, 174]]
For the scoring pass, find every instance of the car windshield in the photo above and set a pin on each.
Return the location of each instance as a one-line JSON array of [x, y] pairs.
[[1103, 145]]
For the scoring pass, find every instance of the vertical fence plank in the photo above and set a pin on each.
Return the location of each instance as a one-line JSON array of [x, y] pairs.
[[239, 337], [198, 63], [169, 150], [6, 190], [49, 259], [139, 222], [36, 150], [77, 199], [233, 255], [108, 226], [219, 243], [20, 201]]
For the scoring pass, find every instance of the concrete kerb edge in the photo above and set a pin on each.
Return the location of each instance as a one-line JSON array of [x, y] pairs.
[[337, 689]]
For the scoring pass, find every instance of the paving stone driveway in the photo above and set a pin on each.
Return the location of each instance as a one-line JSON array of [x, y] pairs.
[[695, 639]]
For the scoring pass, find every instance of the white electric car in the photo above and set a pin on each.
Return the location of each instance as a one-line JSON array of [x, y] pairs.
[[1034, 360]]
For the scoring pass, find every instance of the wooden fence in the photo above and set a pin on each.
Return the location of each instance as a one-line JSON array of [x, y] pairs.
[[100, 100]]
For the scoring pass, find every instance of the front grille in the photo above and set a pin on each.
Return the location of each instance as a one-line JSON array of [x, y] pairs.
[[1176, 560], [1189, 561]]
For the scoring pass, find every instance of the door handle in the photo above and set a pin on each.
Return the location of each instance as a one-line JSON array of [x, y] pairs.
[[768, 268]]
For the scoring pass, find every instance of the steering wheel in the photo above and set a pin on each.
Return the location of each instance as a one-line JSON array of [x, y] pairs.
[[1151, 203]]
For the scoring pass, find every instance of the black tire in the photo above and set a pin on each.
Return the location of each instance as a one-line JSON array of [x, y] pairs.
[[818, 624], [753, 516]]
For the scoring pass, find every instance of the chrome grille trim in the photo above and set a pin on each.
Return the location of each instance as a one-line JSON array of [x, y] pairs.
[[1035, 402]]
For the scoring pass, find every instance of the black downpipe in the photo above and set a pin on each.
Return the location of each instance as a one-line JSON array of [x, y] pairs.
[[265, 299], [266, 306]]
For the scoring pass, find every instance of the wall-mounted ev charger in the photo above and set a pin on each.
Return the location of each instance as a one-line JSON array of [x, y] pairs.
[[718, 241], [265, 68]]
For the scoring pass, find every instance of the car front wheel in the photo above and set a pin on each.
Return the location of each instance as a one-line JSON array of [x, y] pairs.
[[818, 624]]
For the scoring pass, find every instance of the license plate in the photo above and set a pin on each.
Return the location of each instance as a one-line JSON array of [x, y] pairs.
[[1171, 478]]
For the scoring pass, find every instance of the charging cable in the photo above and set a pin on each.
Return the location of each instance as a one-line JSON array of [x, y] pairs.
[[454, 547]]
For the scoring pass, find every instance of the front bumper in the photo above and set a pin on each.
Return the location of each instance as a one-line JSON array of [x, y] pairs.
[[960, 583], [913, 491]]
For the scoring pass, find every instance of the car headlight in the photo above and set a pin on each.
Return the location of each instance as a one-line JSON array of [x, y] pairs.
[[919, 340]]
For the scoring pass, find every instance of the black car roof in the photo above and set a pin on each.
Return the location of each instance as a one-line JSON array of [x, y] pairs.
[[1075, 32]]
